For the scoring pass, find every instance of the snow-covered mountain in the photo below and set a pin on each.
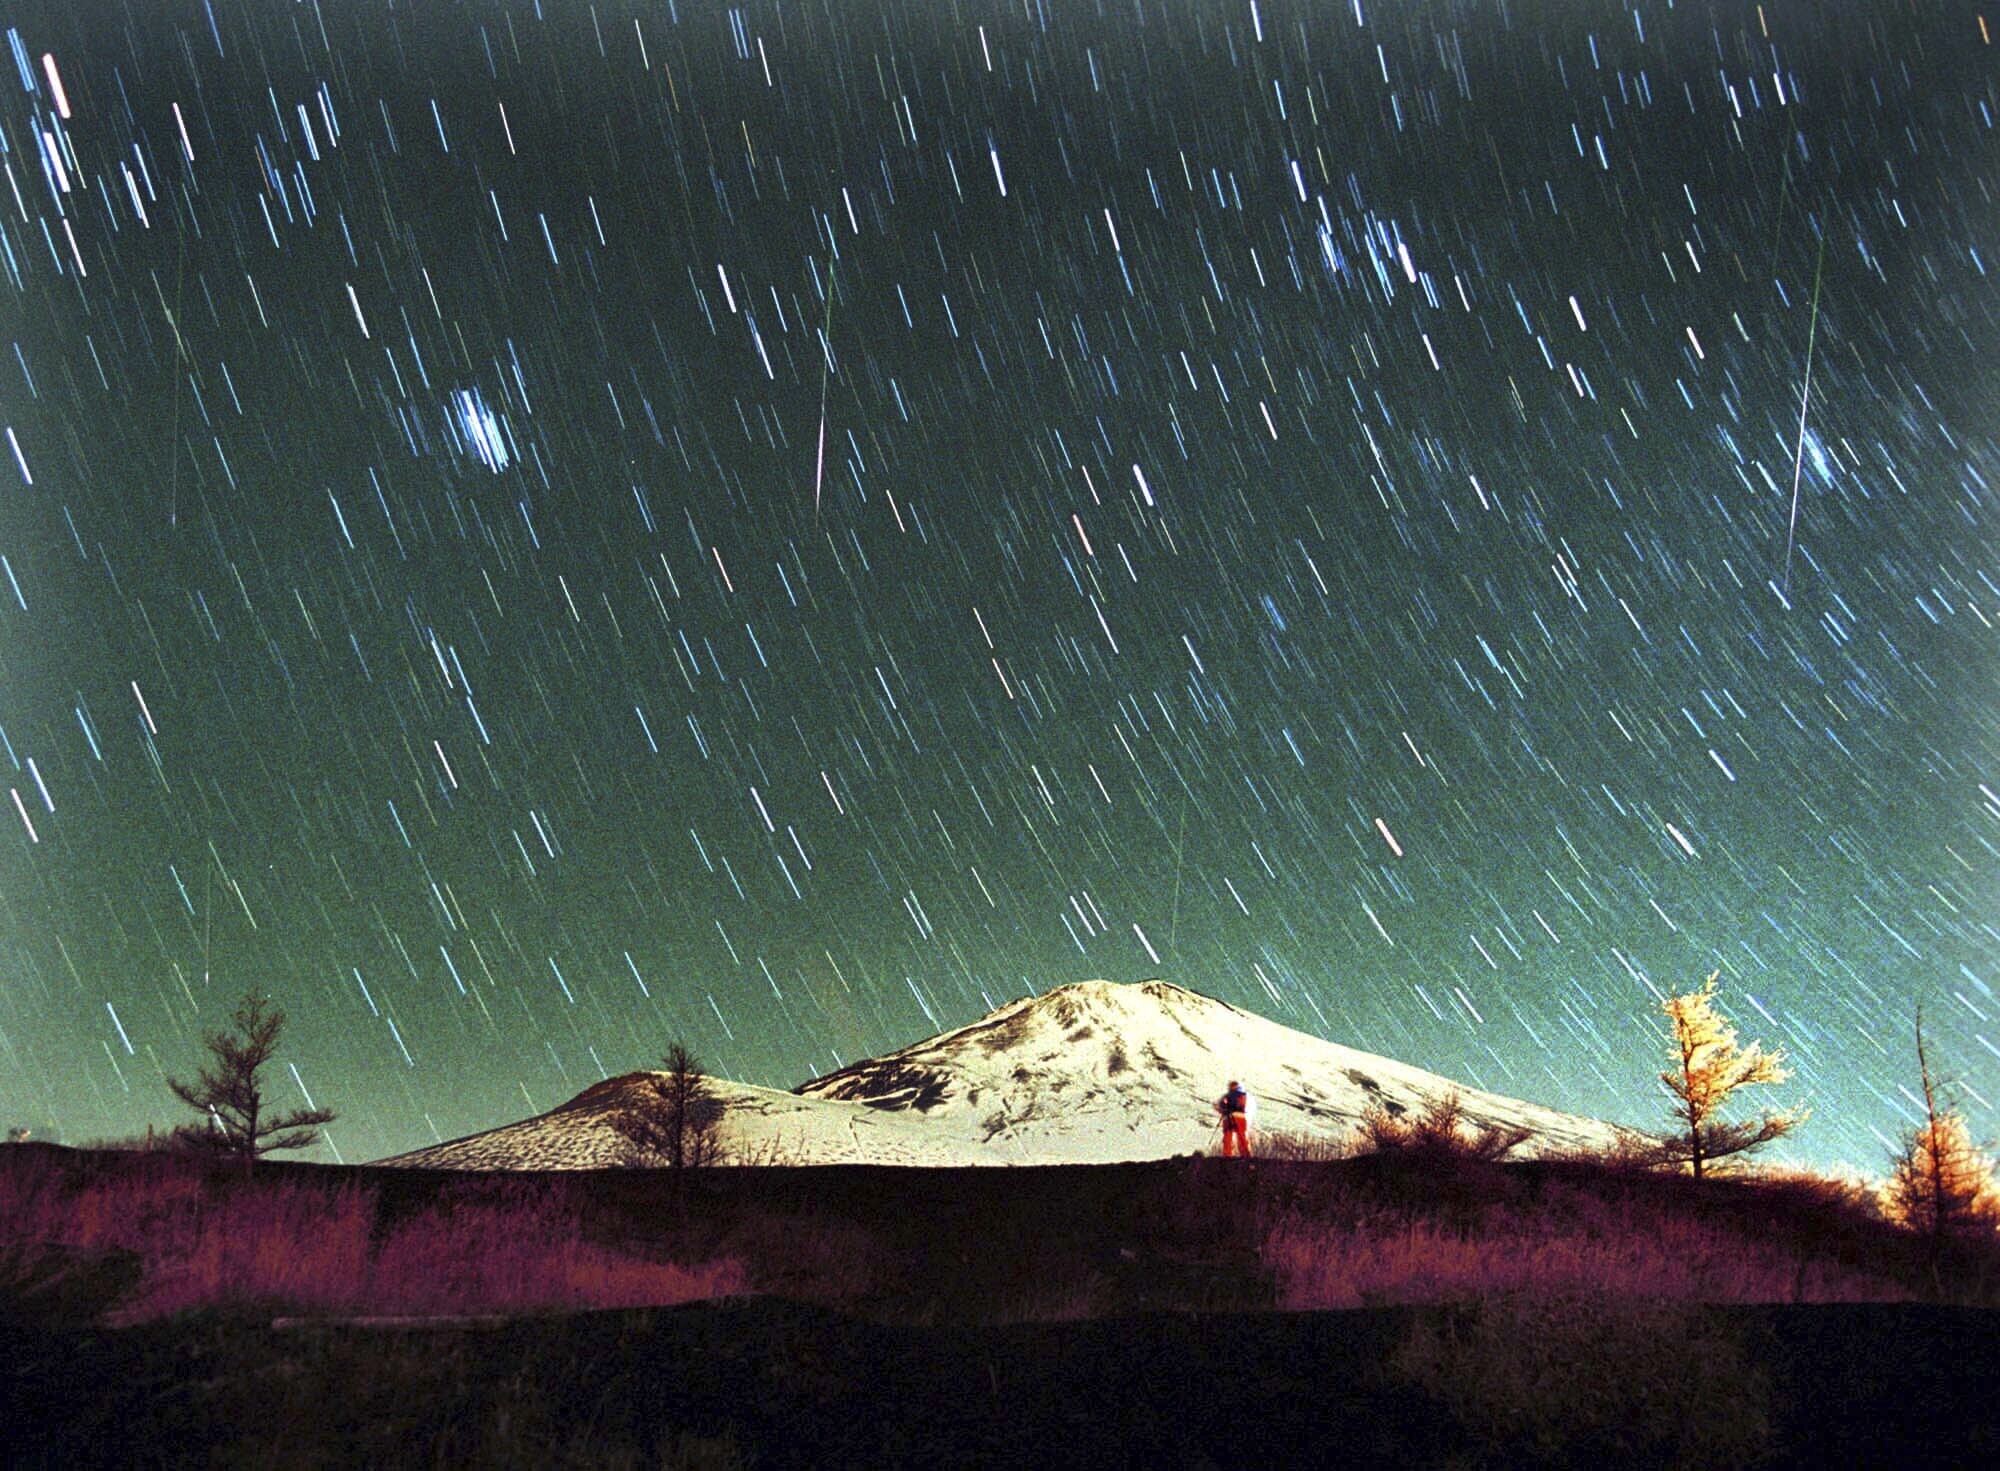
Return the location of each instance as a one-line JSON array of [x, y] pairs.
[[1090, 1073]]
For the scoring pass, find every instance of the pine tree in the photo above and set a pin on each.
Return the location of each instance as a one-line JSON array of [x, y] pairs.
[[677, 1117], [1708, 1067], [229, 1094], [1941, 1184]]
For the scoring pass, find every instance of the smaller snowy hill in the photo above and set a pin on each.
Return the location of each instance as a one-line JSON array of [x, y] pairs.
[[1091, 1073]]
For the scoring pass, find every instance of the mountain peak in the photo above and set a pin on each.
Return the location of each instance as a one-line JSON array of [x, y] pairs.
[[1097, 1029], [1082, 1002], [1125, 995], [1095, 1071]]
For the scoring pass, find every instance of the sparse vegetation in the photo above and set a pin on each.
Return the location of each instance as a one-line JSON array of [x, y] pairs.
[[229, 1092], [1708, 1068], [1441, 1130]]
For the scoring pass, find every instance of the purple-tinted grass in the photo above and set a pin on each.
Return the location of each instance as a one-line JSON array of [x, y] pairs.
[[1396, 1259], [1305, 1229], [296, 1247]]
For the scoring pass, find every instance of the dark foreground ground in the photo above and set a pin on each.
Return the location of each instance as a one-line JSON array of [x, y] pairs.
[[770, 1384], [1100, 1316]]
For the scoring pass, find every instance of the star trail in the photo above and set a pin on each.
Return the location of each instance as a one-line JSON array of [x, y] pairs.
[[534, 528]]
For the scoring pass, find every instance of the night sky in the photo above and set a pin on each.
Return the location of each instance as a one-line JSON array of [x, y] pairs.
[[531, 530]]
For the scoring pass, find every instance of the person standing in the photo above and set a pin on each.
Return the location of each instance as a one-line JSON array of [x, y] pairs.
[[1234, 1109]]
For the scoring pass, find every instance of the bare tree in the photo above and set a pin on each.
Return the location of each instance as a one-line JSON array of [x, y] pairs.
[[230, 1092], [1941, 1184], [1708, 1067], [677, 1118]]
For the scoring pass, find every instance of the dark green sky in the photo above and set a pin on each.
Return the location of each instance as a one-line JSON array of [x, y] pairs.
[[1305, 511]]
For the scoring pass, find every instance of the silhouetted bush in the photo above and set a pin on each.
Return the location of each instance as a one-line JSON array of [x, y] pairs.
[[1441, 1130]]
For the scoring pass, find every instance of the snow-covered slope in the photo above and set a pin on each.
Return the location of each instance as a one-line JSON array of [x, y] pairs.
[[1091, 1073]]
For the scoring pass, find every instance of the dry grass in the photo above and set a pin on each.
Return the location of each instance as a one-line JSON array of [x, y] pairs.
[[1415, 1224], [1398, 1259], [1453, 1229], [1072, 1297], [1290, 1148], [527, 1254], [226, 1238]]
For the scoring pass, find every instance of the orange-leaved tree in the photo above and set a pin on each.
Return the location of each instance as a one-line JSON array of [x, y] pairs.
[[1708, 1067], [1941, 1184]]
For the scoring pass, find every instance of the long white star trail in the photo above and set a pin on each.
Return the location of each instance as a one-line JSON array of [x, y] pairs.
[[1434, 528]]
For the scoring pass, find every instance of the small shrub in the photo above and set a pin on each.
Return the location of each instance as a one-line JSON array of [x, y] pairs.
[[1441, 1129], [153, 1141], [1628, 1152], [1836, 1196]]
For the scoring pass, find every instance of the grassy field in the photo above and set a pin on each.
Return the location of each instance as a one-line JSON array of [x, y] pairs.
[[1423, 1306]]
